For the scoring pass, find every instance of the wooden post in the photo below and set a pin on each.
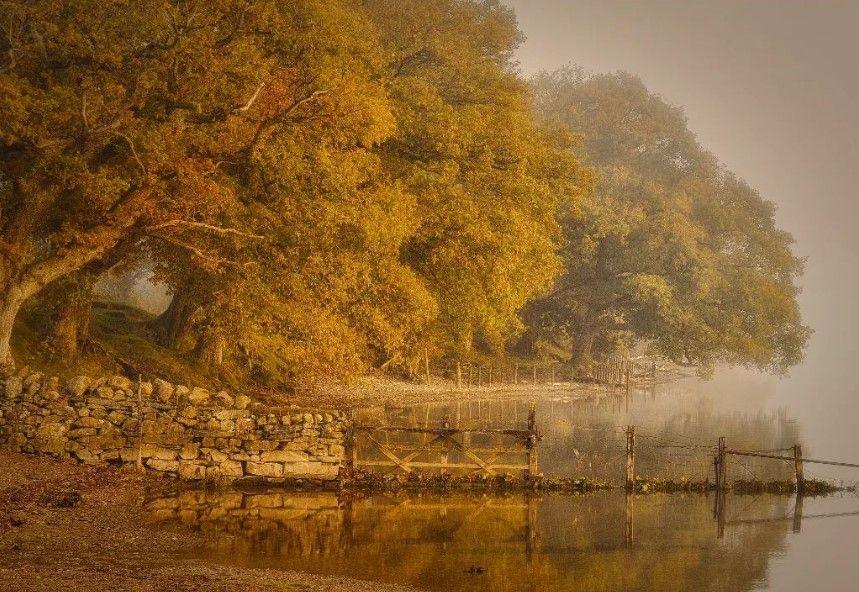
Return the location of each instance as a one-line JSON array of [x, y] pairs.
[[353, 449], [797, 465], [530, 527], [630, 458], [716, 471], [516, 373], [626, 378], [426, 365], [630, 520], [532, 442], [797, 512], [720, 517], [719, 464], [458, 374], [721, 484]]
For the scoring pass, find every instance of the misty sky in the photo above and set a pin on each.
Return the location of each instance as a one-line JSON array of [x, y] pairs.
[[770, 87]]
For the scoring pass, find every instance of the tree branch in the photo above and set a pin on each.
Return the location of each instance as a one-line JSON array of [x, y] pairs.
[[268, 123], [133, 151], [250, 102], [203, 226], [217, 261]]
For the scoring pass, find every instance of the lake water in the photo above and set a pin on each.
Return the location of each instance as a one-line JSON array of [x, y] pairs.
[[604, 541], [593, 542]]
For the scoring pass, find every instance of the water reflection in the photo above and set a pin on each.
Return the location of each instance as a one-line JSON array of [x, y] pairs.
[[595, 542], [604, 541]]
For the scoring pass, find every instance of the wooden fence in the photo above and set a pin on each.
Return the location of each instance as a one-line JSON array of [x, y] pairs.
[[617, 372], [446, 448]]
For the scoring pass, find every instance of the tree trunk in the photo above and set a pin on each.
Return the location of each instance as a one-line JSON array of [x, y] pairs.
[[70, 323], [210, 348], [11, 299], [582, 358], [175, 323]]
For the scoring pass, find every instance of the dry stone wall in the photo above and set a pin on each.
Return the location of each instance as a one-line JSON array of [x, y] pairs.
[[188, 432]]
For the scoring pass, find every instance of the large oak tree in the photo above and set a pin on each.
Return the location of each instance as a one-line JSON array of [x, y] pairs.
[[669, 248], [129, 121]]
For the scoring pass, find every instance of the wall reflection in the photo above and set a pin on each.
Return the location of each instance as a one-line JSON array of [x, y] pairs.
[[604, 541]]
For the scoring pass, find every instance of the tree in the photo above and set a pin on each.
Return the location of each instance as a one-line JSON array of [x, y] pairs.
[[133, 120], [485, 178], [669, 248]]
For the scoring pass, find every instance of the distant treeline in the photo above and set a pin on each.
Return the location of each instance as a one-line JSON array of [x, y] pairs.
[[331, 186]]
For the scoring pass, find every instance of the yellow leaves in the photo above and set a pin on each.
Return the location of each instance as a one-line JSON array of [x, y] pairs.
[[667, 244]]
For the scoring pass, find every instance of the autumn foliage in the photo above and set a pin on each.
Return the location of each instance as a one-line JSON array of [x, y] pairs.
[[329, 186]]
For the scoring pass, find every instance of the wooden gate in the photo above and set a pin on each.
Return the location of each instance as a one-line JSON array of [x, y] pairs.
[[446, 449]]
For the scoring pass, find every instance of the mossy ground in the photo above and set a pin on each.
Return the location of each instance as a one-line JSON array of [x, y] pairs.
[[122, 341]]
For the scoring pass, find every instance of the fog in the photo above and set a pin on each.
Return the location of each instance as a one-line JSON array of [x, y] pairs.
[[769, 87]]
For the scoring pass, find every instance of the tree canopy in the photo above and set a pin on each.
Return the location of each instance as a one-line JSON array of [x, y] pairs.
[[324, 186], [331, 186], [669, 248]]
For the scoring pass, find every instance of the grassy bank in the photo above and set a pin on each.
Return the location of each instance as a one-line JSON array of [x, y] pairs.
[[122, 341]]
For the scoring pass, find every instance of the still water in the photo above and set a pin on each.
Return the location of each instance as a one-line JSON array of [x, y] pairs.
[[603, 541], [593, 542]]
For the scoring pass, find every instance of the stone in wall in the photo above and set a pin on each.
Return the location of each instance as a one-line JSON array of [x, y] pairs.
[[184, 431]]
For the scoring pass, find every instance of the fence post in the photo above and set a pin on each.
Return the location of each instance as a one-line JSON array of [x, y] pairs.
[[630, 520], [458, 374], [426, 365], [797, 513], [797, 465], [532, 442], [626, 377], [516, 373], [630, 458], [352, 442], [531, 527], [719, 464]]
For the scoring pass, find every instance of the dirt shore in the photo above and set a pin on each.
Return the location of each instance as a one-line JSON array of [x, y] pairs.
[[65, 526]]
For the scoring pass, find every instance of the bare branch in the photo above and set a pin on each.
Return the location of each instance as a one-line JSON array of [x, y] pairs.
[[269, 123], [83, 111], [203, 226], [217, 261], [250, 102], [133, 151]]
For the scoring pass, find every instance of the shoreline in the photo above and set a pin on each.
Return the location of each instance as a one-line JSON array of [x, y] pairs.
[[75, 527], [102, 541]]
